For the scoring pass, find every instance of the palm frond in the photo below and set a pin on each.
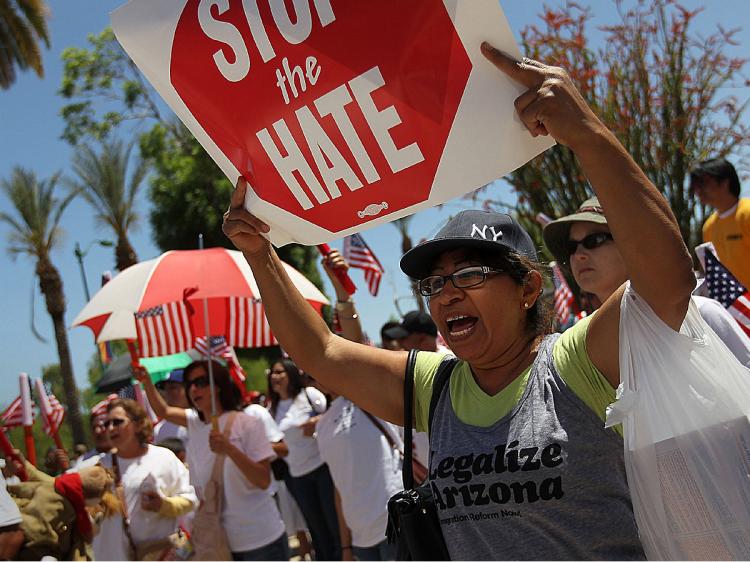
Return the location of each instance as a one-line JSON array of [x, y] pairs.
[[102, 179], [55, 233], [35, 227], [22, 25]]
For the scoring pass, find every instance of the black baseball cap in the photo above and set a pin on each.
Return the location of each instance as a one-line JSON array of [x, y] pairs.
[[414, 322], [469, 229]]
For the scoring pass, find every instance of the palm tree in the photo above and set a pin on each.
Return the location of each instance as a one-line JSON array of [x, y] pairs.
[[402, 225], [102, 180], [23, 23], [35, 231]]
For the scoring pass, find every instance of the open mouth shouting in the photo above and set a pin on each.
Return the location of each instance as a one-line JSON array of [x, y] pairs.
[[460, 325]]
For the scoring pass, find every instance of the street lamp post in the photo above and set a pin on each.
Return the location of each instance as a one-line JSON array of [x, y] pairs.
[[80, 254]]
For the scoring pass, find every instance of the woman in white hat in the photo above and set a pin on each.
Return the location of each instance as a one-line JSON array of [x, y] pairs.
[[583, 243]]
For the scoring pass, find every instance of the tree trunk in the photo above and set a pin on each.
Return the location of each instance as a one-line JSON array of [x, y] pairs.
[[51, 286], [124, 253]]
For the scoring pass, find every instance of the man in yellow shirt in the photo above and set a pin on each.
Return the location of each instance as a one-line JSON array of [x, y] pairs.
[[716, 183]]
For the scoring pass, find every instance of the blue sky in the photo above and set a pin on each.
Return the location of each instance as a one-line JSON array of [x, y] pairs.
[[30, 127]]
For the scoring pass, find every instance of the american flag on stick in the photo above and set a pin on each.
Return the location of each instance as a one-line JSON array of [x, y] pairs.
[[248, 326], [164, 330], [358, 254], [725, 288], [100, 408], [12, 416], [220, 348], [564, 301], [52, 411]]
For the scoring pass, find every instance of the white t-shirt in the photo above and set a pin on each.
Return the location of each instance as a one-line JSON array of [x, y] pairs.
[[291, 413], [166, 429], [273, 433], [364, 468], [159, 466], [9, 513], [250, 516], [726, 327]]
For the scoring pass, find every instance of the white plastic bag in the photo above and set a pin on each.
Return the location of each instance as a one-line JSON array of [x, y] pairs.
[[684, 402]]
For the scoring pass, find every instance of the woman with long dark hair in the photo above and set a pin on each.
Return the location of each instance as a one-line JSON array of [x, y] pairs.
[[296, 409], [249, 515]]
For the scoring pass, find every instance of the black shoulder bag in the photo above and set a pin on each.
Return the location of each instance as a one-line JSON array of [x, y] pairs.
[[413, 522]]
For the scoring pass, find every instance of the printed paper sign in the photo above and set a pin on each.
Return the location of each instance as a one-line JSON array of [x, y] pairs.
[[341, 114]]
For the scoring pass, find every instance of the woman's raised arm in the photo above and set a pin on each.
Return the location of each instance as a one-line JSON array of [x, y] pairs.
[[370, 377], [643, 226]]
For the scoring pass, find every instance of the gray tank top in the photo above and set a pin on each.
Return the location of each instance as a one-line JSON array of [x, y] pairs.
[[546, 482]]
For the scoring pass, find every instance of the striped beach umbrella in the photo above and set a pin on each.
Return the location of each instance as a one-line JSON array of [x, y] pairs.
[[159, 302]]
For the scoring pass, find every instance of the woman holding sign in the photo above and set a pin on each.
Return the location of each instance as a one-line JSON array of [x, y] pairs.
[[521, 465]]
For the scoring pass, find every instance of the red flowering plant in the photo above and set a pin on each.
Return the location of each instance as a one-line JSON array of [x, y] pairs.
[[658, 84]]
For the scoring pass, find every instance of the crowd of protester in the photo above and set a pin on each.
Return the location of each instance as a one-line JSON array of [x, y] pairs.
[[323, 451]]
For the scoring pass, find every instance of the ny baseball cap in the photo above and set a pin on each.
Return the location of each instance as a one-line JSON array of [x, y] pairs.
[[469, 229], [414, 322]]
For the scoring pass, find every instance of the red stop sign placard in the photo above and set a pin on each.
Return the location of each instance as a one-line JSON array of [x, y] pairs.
[[338, 113]]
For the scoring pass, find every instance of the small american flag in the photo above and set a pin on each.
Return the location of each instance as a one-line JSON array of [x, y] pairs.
[[52, 411], [220, 348], [127, 392], [164, 330], [725, 288], [359, 255], [100, 408], [564, 302], [12, 416], [248, 326]]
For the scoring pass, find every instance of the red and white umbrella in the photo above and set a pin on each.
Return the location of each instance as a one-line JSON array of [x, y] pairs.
[[160, 302]]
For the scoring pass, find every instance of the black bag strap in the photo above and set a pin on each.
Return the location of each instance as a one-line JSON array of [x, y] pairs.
[[407, 472], [441, 378], [438, 384]]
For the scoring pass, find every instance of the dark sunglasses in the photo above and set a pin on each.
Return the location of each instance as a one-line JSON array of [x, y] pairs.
[[200, 382], [589, 242], [117, 422]]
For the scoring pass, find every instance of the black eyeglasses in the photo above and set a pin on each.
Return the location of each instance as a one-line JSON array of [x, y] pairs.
[[200, 382], [116, 422], [589, 242], [462, 279]]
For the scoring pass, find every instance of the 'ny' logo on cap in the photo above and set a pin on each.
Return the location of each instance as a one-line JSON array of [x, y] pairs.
[[483, 232]]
